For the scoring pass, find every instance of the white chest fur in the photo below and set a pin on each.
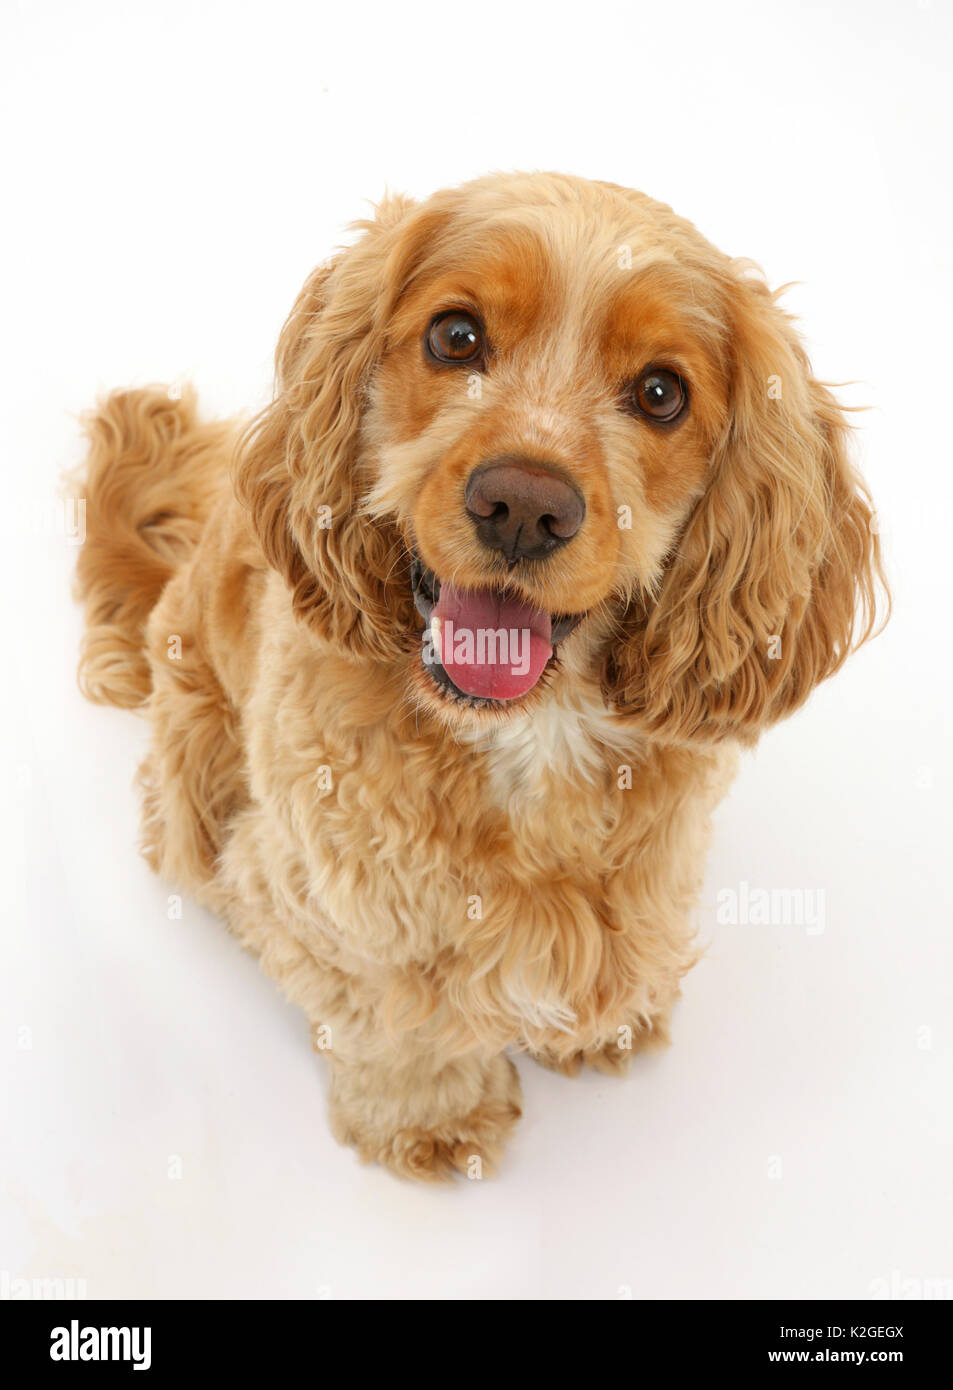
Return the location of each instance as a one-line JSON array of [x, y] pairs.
[[561, 743]]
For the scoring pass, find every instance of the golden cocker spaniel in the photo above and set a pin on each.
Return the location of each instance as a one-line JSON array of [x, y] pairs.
[[447, 655]]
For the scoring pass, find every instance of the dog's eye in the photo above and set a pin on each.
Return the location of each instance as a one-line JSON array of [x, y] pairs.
[[455, 337], [660, 395]]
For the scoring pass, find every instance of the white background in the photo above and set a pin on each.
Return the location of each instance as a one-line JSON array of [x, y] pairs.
[[170, 174]]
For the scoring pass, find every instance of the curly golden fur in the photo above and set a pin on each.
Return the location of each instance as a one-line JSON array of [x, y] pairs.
[[435, 878]]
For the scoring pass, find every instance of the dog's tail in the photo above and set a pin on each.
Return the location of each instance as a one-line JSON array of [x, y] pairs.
[[150, 479]]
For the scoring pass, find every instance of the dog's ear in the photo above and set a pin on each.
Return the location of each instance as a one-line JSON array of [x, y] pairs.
[[775, 577], [299, 468]]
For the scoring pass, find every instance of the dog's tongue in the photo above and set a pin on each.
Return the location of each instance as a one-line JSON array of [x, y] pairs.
[[490, 645]]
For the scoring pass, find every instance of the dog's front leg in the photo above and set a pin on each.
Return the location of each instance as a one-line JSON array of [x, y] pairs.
[[425, 1100], [424, 1115]]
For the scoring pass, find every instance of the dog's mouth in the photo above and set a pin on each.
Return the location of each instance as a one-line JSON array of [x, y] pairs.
[[485, 646]]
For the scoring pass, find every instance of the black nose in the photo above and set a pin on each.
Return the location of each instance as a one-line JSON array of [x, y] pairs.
[[523, 508]]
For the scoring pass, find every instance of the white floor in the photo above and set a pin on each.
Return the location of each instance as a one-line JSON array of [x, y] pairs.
[[164, 1129]]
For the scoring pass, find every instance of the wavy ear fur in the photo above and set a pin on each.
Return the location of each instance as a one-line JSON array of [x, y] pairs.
[[775, 578], [299, 468]]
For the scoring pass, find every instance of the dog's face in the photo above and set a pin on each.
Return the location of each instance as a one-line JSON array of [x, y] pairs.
[[540, 423], [538, 427]]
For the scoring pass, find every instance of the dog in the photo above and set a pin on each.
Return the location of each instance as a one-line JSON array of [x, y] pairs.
[[448, 655]]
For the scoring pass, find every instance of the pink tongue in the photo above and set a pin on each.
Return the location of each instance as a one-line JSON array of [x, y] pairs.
[[490, 645]]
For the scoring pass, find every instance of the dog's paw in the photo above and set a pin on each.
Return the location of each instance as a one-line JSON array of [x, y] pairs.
[[471, 1144], [611, 1057]]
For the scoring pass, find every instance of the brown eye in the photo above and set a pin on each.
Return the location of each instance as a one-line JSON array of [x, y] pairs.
[[455, 337], [660, 395]]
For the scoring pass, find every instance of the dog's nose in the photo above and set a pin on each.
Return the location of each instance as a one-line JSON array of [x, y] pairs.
[[523, 508]]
